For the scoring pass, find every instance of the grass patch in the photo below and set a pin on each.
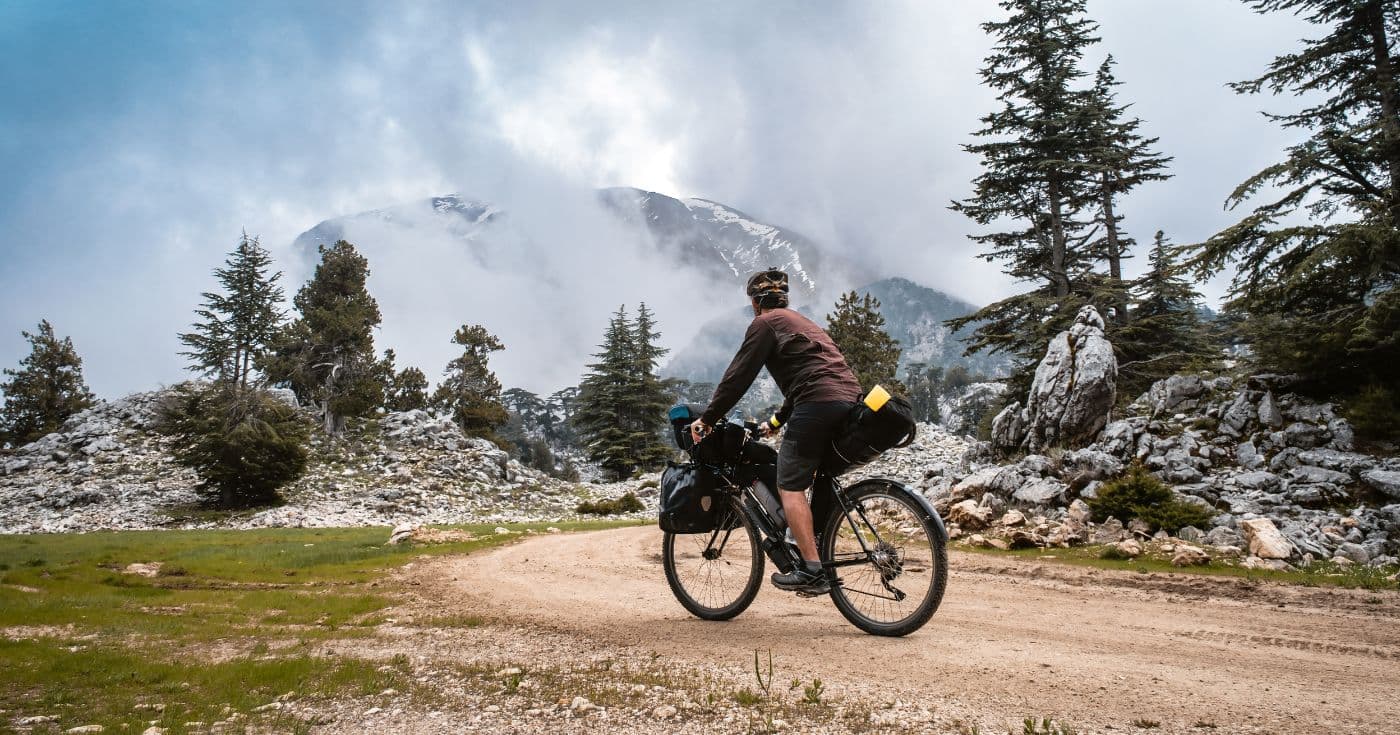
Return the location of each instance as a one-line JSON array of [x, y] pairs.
[[94, 645]]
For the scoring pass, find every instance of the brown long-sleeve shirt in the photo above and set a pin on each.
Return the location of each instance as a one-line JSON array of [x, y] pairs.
[[800, 356]]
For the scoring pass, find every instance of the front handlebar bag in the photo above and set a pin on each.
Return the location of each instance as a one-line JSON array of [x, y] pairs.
[[867, 434], [689, 503]]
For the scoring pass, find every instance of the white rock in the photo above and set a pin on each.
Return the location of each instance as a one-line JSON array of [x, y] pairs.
[[664, 712], [1264, 539]]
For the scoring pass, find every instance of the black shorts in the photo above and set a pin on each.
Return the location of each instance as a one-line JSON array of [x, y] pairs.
[[810, 429]]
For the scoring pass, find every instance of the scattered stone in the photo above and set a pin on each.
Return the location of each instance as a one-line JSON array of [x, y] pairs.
[[1190, 533], [84, 729], [664, 712], [1354, 552], [1079, 511], [1129, 548], [1386, 481], [1013, 518], [1264, 539], [401, 533], [143, 570], [581, 705], [969, 515], [1044, 491], [1187, 556]]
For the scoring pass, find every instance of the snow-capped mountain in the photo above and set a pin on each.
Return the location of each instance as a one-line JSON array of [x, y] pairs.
[[465, 218], [719, 241], [727, 243]]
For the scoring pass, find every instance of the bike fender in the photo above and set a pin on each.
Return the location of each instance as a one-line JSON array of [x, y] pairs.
[[927, 507]]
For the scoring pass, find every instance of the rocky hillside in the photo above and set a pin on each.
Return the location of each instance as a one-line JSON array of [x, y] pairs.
[[107, 468]]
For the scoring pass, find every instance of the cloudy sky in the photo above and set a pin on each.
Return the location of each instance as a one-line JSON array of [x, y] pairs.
[[138, 139]]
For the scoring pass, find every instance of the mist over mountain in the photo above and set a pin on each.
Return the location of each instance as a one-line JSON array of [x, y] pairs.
[[914, 315], [686, 258]]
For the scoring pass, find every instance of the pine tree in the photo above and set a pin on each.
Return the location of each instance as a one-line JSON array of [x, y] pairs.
[[605, 400], [404, 390], [1120, 159], [1317, 262], [858, 329], [924, 384], [1165, 335], [327, 356], [408, 392], [650, 396], [47, 388], [1036, 180], [469, 391], [237, 325]]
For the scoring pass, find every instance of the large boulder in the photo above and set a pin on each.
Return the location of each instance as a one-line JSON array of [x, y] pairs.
[[1264, 539], [1385, 481], [1172, 394], [1071, 395]]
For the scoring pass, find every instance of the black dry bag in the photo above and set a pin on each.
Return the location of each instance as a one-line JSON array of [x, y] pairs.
[[867, 434], [689, 503]]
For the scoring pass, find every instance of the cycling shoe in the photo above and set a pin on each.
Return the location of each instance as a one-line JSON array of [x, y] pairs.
[[803, 580]]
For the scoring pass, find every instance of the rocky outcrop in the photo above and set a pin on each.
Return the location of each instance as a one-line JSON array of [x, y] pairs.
[[107, 468], [1074, 389]]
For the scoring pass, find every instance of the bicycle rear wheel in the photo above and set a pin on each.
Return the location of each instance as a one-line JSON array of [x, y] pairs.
[[715, 575], [890, 560]]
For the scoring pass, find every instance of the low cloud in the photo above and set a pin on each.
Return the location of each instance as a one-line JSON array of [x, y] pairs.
[[141, 162]]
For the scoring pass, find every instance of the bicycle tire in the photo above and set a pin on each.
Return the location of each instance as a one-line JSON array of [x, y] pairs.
[[841, 594], [746, 536]]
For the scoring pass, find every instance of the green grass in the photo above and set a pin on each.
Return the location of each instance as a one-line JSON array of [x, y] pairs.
[[1323, 573], [90, 644]]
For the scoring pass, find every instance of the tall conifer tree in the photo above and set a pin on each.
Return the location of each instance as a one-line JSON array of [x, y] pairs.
[[858, 329], [605, 400], [327, 355], [1317, 262], [1120, 159], [47, 388], [237, 325], [469, 391], [1165, 335], [651, 398], [1035, 178]]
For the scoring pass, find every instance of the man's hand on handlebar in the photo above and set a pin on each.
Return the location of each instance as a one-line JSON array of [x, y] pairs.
[[698, 430], [766, 430]]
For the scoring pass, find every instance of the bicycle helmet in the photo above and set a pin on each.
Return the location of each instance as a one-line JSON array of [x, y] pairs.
[[769, 288]]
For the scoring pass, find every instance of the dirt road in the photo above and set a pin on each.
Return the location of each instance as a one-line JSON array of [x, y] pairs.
[[1096, 649]]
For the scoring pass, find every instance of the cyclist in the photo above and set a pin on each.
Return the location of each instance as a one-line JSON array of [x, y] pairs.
[[819, 390]]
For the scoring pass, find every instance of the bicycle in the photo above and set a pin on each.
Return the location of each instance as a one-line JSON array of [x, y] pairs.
[[884, 548]]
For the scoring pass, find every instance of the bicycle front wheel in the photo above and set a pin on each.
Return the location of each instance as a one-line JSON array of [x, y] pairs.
[[715, 575], [889, 560]]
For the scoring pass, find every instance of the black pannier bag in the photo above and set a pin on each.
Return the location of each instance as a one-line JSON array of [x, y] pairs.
[[689, 503], [867, 434]]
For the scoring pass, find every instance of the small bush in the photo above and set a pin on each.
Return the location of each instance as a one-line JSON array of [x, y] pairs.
[[626, 504], [1138, 494]]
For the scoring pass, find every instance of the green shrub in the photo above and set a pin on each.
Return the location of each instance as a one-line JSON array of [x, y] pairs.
[[244, 443], [626, 504], [1138, 494], [1375, 413]]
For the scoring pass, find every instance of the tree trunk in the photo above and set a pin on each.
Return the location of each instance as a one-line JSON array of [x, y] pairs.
[[1385, 80], [1059, 275], [1114, 254]]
